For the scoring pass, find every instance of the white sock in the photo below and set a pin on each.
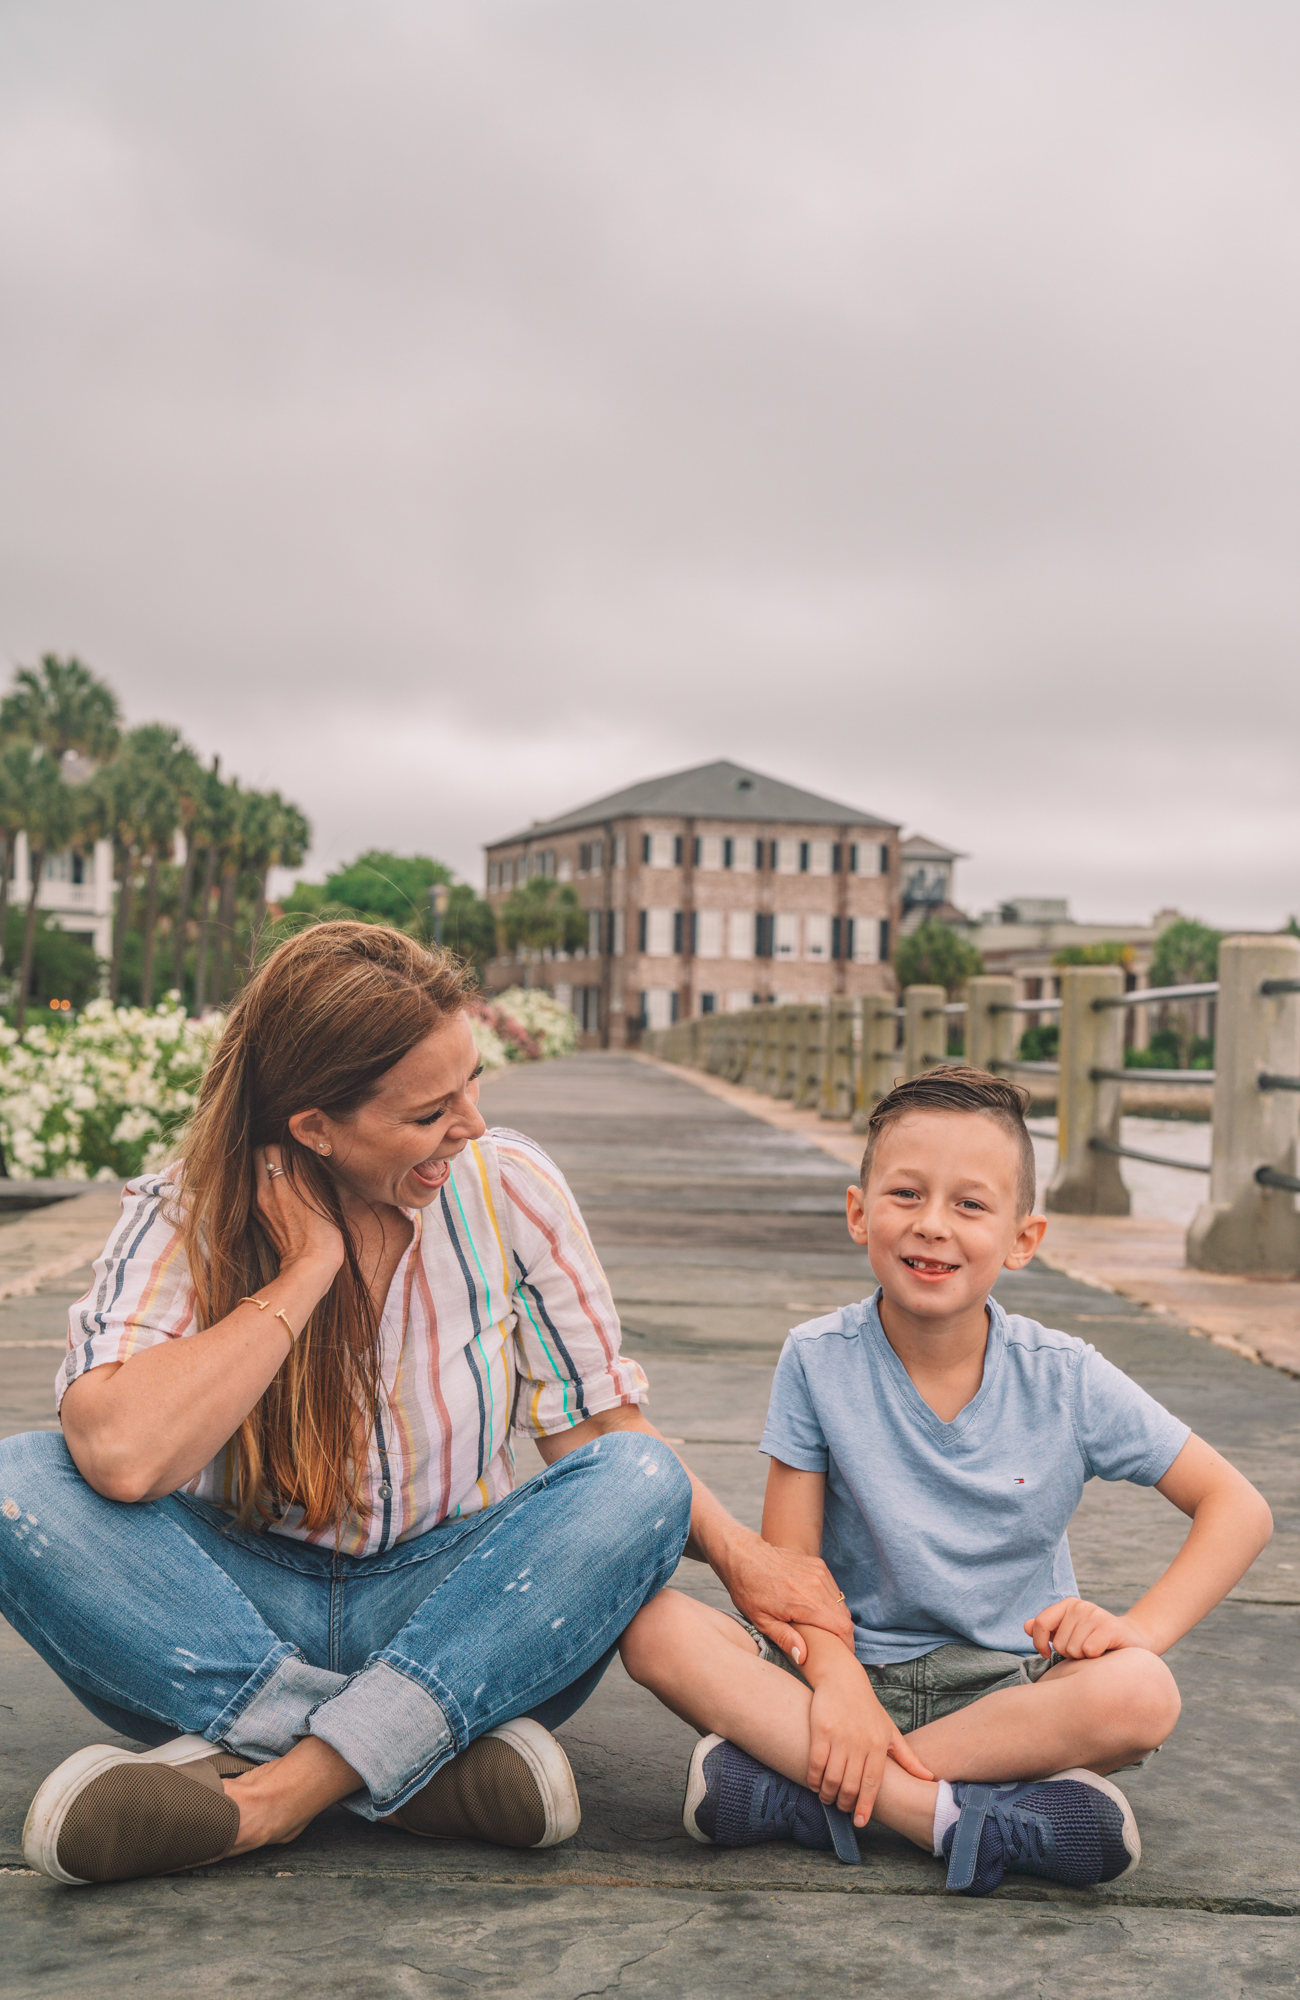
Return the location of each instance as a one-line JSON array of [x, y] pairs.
[[945, 1814]]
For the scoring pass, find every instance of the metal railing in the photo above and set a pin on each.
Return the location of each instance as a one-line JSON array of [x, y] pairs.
[[841, 1056]]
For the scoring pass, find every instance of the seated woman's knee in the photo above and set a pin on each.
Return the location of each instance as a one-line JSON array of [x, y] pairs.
[[27, 1462], [652, 1478]]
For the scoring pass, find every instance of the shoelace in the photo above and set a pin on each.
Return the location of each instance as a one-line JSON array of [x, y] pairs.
[[1022, 1834]]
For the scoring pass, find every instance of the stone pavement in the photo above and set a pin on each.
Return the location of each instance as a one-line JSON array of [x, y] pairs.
[[719, 1231]]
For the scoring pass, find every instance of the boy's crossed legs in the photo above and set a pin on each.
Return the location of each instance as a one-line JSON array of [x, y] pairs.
[[1096, 1715]]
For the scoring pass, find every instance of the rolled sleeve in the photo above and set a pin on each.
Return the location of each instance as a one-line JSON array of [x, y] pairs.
[[141, 1293], [567, 1334]]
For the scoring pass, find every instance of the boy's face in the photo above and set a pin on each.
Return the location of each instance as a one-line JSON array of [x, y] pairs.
[[940, 1216]]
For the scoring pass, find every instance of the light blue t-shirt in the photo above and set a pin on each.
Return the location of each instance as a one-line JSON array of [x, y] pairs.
[[956, 1532]]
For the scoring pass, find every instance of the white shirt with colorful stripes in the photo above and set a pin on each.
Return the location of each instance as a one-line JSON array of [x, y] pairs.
[[499, 1319]]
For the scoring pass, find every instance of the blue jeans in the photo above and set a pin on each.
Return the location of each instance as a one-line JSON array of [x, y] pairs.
[[164, 1619]]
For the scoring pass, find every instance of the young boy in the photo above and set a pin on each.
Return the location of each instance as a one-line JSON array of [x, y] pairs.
[[932, 1448]]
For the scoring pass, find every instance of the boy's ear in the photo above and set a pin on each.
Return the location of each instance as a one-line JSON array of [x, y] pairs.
[[1028, 1237], [856, 1213]]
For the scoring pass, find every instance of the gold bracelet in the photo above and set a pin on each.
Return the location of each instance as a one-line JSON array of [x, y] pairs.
[[262, 1305]]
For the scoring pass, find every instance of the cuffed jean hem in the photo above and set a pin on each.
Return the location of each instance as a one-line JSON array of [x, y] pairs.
[[268, 1723], [390, 1730]]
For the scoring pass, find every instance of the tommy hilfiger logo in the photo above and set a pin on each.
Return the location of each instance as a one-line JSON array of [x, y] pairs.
[[1017, 1482]]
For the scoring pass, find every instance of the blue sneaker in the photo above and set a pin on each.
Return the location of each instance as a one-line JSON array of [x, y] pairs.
[[1074, 1828], [734, 1801]]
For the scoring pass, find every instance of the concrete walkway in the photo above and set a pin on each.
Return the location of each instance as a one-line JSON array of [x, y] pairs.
[[719, 1231]]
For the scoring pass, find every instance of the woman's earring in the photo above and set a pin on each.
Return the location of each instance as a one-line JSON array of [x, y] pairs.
[[325, 1149]]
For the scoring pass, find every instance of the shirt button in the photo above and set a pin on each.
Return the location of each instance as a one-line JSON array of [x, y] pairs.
[[385, 1491]]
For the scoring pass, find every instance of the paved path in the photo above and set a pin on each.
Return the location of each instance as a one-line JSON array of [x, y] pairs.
[[718, 1232]]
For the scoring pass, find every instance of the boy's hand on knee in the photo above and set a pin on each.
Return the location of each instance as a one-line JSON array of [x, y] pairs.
[[1077, 1630]]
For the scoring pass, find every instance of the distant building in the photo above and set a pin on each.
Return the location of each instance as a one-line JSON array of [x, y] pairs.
[[1022, 937], [926, 870], [77, 890], [708, 889]]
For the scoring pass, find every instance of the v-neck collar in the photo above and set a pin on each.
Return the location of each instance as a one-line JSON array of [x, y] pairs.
[[944, 1434]]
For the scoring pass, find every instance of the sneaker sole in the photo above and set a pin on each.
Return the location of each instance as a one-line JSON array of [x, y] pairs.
[[1131, 1837], [696, 1788], [551, 1773], [47, 1811]]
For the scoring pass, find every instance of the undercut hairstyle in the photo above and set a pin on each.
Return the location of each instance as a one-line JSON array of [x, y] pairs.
[[956, 1087]]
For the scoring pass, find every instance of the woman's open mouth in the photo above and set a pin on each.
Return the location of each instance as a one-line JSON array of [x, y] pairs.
[[431, 1173]]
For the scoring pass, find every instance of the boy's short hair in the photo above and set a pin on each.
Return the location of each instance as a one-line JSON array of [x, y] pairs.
[[956, 1087]]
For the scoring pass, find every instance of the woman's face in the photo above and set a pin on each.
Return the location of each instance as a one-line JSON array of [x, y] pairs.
[[399, 1146]]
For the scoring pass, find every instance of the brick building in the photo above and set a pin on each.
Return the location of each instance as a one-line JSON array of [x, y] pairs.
[[707, 889]]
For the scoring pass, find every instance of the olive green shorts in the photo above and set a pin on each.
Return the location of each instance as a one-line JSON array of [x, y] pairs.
[[914, 1692]]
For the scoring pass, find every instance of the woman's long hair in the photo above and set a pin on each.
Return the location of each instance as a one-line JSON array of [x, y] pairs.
[[317, 1026]]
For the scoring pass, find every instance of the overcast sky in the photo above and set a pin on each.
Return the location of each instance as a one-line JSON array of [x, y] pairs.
[[449, 412]]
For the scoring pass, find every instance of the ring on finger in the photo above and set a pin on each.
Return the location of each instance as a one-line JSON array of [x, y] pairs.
[[271, 1171]]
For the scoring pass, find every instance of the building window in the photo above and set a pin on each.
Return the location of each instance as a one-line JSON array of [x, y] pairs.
[[737, 1003], [593, 933], [660, 850], [658, 1007], [641, 929], [565, 870], [763, 937], [620, 850], [678, 928], [728, 852], [785, 856], [584, 857], [708, 1003], [677, 850], [597, 856], [708, 933], [842, 937], [817, 937], [758, 854], [805, 855], [785, 935], [657, 928], [710, 849], [837, 859], [617, 933], [819, 858]]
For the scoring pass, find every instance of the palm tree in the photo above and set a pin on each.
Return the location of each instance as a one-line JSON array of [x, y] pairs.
[[276, 835], [211, 830], [64, 707], [15, 757], [49, 816], [168, 777], [116, 791]]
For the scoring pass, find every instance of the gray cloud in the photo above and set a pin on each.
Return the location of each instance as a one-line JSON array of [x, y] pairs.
[[450, 412]]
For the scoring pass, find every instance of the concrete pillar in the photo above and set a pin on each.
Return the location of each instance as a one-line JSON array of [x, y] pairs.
[[812, 1055], [990, 1035], [880, 1060], [789, 1052], [924, 1038], [840, 1057], [1086, 1181], [1245, 1227], [755, 1022]]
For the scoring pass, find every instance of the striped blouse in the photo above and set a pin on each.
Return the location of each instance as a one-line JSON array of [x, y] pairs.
[[499, 1319]]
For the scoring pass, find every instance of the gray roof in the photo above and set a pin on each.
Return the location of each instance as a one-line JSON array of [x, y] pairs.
[[707, 791], [916, 847]]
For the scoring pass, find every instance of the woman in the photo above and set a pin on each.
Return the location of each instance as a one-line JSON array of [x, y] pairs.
[[279, 1538], [272, 1540]]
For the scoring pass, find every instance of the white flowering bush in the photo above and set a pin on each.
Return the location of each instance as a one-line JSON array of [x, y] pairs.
[[552, 1027], [102, 1097]]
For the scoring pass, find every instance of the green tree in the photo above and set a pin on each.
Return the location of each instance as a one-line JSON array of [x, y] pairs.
[[469, 927], [934, 955], [169, 772], [1186, 954], [543, 915], [276, 835], [64, 966], [388, 888], [64, 707], [1109, 952]]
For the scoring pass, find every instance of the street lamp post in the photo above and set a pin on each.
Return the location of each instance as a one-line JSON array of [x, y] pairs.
[[438, 894]]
